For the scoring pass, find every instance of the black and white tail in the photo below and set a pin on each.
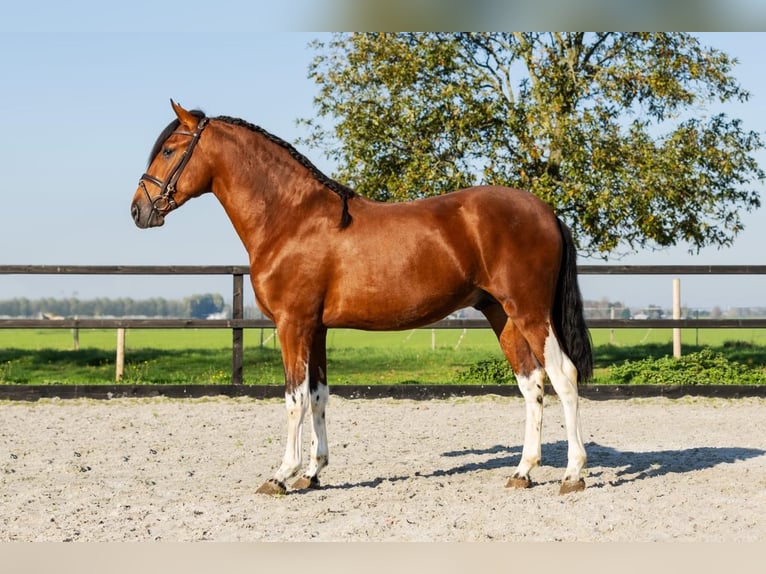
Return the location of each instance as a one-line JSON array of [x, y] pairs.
[[568, 317]]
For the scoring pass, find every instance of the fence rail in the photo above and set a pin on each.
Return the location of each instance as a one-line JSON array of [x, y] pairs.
[[237, 323], [444, 324]]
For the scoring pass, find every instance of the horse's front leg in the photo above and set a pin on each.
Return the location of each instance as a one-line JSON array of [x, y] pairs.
[[302, 391], [296, 404], [319, 394]]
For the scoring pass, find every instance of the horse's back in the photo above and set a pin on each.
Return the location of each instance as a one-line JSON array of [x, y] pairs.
[[466, 229], [509, 205], [514, 206], [406, 264]]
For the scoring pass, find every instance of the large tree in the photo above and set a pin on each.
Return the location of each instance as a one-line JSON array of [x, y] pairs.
[[613, 130]]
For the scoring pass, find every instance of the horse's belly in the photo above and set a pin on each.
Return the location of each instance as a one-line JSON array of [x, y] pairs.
[[406, 274], [397, 307]]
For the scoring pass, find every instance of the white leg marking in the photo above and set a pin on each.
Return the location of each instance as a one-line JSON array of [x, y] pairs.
[[296, 403], [319, 447], [563, 376], [532, 388]]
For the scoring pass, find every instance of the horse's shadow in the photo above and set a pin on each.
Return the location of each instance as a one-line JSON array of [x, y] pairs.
[[633, 466], [626, 466]]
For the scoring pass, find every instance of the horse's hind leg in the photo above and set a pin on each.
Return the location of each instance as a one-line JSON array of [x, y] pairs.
[[523, 342], [563, 376], [530, 378]]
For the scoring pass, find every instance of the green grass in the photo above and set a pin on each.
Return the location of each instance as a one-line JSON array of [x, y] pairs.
[[689, 337], [203, 356]]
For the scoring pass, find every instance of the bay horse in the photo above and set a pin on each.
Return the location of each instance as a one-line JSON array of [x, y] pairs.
[[321, 257]]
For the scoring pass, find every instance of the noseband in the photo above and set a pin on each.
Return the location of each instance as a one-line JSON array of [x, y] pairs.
[[164, 202]]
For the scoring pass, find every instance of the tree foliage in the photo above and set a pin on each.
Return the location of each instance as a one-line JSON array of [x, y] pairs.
[[613, 130]]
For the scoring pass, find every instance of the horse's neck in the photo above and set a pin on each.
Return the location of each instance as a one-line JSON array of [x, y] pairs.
[[265, 190]]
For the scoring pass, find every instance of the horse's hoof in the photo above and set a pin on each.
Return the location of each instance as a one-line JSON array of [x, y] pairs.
[[272, 488], [518, 482], [306, 482], [572, 486]]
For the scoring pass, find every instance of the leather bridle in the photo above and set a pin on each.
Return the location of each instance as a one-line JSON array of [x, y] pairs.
[[164, 202]]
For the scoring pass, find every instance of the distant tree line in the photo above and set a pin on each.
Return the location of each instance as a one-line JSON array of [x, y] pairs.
[[194, 306], [204, 305], [605, 309]]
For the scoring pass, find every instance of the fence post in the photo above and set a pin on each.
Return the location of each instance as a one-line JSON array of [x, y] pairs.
[[76, 336], [119, 368], [676, 315], [237, 335]]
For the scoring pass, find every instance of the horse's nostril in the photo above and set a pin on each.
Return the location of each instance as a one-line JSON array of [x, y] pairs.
[[134, 212]]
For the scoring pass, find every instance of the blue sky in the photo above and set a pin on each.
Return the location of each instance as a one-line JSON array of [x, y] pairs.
[[82, 105]]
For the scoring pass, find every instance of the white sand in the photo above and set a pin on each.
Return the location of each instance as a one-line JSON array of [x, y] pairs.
[[400, 470]]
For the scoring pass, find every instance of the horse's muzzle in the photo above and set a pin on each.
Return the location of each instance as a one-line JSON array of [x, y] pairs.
[[145, 215]]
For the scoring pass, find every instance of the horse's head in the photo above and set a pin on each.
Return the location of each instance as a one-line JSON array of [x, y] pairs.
[[173, 176]]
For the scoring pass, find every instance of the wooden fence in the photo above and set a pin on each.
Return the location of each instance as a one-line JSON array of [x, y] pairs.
[[238, 323]]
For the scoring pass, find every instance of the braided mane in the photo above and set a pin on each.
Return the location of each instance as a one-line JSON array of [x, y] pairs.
[[344, 192]]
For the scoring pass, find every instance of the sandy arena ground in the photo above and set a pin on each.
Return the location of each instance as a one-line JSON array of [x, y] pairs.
[[400, 470]]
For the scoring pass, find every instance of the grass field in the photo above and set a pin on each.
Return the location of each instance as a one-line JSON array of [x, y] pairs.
[[423, 356]]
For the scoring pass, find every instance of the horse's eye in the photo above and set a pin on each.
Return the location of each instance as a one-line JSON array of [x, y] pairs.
[[167, 152]]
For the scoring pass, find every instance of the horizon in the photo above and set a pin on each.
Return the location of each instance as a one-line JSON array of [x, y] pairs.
[[591, 306]]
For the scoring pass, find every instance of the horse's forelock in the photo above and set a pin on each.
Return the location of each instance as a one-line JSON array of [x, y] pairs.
[[171, 127]]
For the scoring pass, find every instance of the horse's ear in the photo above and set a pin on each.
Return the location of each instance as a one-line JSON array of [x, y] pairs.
[[188, 120]]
